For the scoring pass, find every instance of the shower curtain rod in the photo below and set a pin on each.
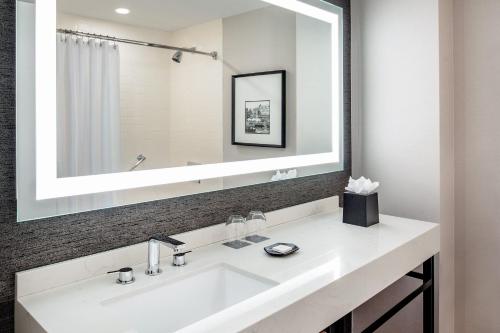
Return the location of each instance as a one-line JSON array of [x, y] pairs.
[[136, 42]]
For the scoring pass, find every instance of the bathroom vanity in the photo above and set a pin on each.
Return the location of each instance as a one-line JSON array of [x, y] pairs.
[[337, 268]]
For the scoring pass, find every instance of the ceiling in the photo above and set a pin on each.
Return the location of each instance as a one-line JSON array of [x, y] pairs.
[[167, 15]]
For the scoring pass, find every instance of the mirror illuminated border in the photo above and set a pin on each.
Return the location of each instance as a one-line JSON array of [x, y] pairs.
[[48, 185]]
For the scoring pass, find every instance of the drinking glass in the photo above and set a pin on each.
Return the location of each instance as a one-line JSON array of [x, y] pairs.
[[258, 220], [236, 227]]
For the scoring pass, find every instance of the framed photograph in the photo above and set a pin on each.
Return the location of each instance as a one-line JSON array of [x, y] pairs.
[[259, 109]]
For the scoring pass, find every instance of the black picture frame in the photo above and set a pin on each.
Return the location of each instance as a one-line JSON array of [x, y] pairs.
[[282, 143]]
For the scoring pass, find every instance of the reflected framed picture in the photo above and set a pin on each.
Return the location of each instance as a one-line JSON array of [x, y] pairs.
[[259, 109]]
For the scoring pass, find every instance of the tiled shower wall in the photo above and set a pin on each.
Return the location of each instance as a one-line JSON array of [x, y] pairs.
[[41, 242]]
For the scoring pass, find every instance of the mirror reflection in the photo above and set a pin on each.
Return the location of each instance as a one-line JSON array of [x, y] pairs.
[[149, 84]]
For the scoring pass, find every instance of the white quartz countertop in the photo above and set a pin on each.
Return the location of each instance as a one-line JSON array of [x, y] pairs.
[[347, 264]]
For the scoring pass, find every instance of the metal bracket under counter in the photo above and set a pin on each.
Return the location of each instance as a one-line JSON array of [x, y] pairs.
[[344, 325]]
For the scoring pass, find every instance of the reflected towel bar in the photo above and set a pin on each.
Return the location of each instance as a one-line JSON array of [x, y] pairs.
[[140, 158]]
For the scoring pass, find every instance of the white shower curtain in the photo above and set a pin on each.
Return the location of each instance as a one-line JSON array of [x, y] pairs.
[[88, 113], [88, 109]]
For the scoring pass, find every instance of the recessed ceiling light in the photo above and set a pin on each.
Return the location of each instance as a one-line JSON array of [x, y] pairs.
[[122, 11]]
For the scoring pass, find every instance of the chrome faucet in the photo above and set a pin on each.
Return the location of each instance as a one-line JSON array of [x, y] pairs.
[[154, 253]]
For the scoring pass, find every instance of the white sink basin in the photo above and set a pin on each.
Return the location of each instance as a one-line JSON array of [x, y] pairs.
[[177, 304]]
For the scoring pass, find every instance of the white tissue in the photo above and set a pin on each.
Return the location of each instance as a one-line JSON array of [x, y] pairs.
[[362, 186], [291, 174], [284, 175], [277, 176]]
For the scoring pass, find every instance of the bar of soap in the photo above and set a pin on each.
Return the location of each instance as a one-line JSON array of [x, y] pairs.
[[282, 248]]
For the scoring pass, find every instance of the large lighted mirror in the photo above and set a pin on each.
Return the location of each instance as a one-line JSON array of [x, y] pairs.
[[120, 102]]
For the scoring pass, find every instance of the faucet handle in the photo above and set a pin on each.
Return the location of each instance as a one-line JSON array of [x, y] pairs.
[[125, 275], [172, 243], [179, 259]]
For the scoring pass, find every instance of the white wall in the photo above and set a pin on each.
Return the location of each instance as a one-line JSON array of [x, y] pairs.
[[397, 96], [194, 104], [400, 93], [195, 97]]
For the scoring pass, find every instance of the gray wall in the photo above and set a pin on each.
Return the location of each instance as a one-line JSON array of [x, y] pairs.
[[396, 91], [447, 166], [477, 178], [32, 244]]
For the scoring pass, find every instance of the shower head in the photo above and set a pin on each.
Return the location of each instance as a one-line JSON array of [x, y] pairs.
[[177, 57]]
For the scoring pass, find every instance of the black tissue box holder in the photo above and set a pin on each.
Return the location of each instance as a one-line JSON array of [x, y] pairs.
[[360, 209]]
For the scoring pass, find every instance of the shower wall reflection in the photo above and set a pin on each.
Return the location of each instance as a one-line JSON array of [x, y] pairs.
[[132, 96]]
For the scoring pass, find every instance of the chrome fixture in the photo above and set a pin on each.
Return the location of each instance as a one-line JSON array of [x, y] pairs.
[[179, 259], [154, 253], [213, 54], [125, 275], [140, 158], [177, 57]]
